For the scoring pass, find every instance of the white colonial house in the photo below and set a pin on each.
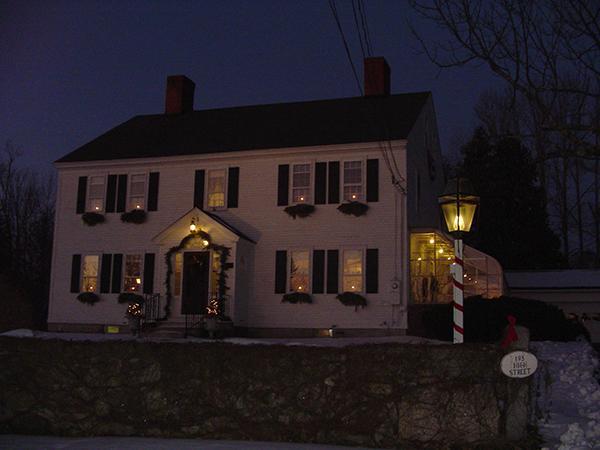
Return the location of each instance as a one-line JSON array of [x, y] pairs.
[[216, 192]]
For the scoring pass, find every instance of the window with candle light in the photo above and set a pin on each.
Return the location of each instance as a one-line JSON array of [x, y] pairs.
[[137, 192], [96, 191], [352, 271], [352, 180], [132, 279], [301, 183], [298, 264], [90, 273]]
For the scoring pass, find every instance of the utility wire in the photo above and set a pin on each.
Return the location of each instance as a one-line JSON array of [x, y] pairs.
[[339, 25], [365, 26], [360, 38]]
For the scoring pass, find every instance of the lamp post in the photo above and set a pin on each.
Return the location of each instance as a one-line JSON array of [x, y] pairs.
[[458, 204]]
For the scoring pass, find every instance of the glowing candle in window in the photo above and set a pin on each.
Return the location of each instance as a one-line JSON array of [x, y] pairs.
[[299, 271], [138, 280]]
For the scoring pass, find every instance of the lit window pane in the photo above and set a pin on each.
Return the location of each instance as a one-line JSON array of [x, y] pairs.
[[352, 280], [299, 271], [216, 188], [177, 278], [90, 272], [133, 273], [137, 192], [95, 194], [301, 183], [352, 180]]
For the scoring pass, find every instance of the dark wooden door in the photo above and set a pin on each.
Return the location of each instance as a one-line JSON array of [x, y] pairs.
[[196, 270]]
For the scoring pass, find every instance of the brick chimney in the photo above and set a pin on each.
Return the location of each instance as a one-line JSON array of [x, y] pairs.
[[180, 95], [377, 77]]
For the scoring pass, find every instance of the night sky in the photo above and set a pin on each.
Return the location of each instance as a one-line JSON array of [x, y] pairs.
[[71, 70]]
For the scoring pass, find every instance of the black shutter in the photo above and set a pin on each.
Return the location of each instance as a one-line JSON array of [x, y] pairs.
[[75, 273], [372, 180], [280, 271], [122, 193], [111, 193], [149, 273], [153, 191], [318, 275], [372, 270], [199, 189], [117, 272], [332, 271], [283, 184], [233, 186], [81, 191], [334, 182], [105, 273], [320, 183]]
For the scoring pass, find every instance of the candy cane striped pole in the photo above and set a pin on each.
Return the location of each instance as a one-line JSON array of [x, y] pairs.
[[457, 280]]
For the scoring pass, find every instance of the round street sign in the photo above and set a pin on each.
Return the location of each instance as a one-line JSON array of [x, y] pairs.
[[519, 364]]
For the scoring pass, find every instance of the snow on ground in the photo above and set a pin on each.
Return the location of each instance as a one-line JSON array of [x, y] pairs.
[[16, 442], [570, 402], [312, 342]]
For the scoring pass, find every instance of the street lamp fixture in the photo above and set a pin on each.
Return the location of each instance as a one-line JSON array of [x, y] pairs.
[[458, 203]]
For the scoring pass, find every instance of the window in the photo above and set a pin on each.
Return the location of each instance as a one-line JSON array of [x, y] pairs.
[[137, 191], [301, 183], [216, 189], [132, 281], [352, 180], [299, 271], [353, 271], [96, 194], [90, 273], [177, 273]]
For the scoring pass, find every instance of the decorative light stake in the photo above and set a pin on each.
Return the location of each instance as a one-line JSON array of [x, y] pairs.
[[458, 203]]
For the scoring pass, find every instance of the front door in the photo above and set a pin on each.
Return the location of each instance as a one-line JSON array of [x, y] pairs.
[[196, 270]]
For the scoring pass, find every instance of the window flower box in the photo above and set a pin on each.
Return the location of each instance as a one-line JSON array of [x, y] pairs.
[[296, 297], [89, 298], [134, 216], [130, 297], [352, 299], [353, 208], [300, 210], [92, 218]]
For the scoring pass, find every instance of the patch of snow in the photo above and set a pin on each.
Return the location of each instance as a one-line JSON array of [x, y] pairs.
[[21, 332], [570, 402], [18, 442], [310, 342]]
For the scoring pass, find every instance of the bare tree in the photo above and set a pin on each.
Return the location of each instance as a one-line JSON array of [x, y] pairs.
[[545, 51], [26, 229], [548, 53]]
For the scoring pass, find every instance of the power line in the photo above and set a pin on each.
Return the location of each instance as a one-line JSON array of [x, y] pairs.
[[360, 39], [365, 26], [339, 25]]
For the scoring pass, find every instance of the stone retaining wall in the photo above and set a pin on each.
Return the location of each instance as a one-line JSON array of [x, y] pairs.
[[375, 395]]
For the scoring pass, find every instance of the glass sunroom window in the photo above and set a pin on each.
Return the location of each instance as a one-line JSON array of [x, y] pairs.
[[301, 183], [353, 271], [299, 261], [132, 281], [90, 273], [352, 180]]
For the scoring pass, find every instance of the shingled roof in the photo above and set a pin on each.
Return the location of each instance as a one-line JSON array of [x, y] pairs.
[[323, 122]]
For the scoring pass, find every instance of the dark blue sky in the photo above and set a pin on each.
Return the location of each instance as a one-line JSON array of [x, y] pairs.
[[71, 70]]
